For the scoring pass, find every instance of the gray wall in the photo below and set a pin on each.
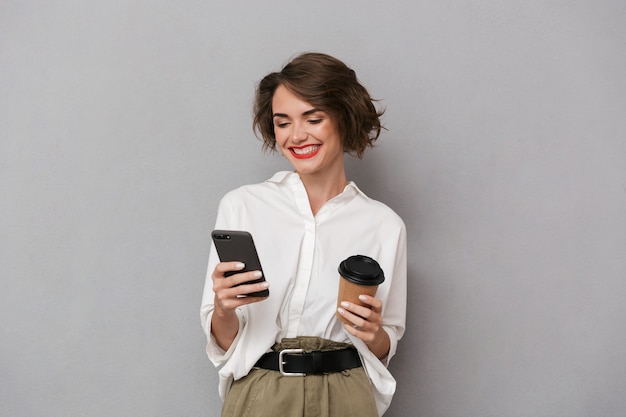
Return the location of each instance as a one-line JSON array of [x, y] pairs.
[[123, 122]]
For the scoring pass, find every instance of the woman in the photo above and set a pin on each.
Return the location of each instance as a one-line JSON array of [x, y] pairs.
[[304, 224]]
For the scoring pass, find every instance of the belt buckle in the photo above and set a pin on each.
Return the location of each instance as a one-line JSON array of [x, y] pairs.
[[281, 362]]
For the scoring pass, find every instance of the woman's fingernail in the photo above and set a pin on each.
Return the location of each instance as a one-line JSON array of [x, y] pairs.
[[257, 274], [363, 297], [239, 265], [345, 304], [265, 284], [341, 310]]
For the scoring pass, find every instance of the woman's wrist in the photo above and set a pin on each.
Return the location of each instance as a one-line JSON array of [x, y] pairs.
[[380, 345]]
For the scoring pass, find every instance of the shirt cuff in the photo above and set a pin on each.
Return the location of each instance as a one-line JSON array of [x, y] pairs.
[[393, 345], [216, 354]]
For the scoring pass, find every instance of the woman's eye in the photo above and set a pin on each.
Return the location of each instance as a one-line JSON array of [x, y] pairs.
[[281, 124], [315, 121]]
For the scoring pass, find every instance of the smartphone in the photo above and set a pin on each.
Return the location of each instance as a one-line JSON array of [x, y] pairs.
[[236, 245]]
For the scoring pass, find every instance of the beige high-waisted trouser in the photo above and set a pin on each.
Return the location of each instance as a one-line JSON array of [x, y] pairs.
[[265, 393]]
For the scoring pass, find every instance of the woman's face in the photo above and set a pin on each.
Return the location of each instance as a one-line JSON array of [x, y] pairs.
[[306, 136]]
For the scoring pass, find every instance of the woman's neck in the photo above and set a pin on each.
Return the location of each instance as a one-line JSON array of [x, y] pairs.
[[322, 188]]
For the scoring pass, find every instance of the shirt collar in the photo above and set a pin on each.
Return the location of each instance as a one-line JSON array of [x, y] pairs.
[[290, 177], [286, 177]]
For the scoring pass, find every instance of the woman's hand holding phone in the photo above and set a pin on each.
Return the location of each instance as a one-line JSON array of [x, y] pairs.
[[231, 291], [237, 248]]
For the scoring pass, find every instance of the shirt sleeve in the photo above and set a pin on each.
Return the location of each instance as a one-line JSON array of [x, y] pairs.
[[215, 353], [394, 313]]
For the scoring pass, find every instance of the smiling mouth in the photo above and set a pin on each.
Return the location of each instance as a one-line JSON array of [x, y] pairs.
[[305, 152]]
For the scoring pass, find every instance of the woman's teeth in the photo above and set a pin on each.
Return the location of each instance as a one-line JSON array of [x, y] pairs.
[[304, 151]]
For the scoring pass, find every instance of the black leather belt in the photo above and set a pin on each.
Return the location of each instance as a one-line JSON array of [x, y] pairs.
[[297, 362]]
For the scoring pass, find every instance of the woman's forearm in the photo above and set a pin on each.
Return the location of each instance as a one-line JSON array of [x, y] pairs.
[[224, 328]]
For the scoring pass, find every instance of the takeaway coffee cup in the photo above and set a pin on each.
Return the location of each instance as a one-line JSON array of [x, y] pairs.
[[359, 274]]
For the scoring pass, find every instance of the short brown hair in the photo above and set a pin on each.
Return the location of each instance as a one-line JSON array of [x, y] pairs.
[[330, 86]]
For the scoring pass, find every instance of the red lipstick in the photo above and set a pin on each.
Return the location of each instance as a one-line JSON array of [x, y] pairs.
[[305, 152]]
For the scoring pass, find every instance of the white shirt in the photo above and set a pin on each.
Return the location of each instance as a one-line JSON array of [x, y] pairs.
[[300, 254]]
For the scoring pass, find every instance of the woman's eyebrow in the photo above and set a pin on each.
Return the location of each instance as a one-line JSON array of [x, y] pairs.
[[309, 112], [306, 113]]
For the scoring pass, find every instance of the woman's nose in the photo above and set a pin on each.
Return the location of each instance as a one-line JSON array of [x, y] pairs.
[[299, 133]]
